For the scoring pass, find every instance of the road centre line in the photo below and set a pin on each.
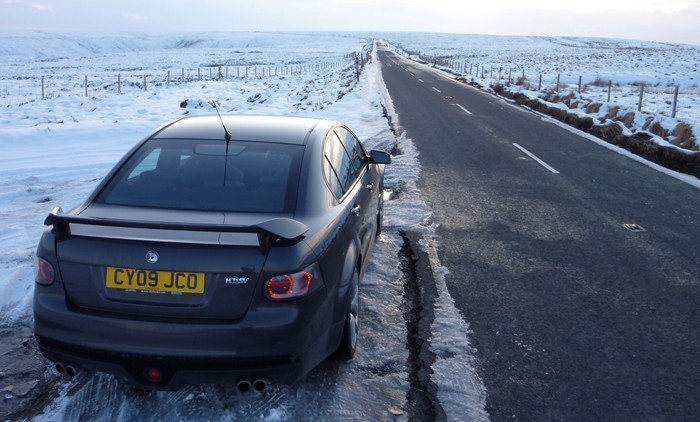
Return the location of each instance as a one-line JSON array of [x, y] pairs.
[[463, 109], [421, 80], [437, 90], [545, 165]]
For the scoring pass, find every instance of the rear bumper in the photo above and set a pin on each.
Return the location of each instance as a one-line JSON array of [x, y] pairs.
[[279, 343]]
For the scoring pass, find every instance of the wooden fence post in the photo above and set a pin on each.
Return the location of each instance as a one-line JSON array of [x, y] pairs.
[[43, 92], [183, 75], [119, 83], [580, 79], [86, 93], [641, 97], [199, 73], [675, 101], [168, 81], [558, 79], [609, 89], [145, 84], [539, 85]]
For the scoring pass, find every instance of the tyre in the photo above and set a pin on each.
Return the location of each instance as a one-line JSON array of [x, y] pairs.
[[348, 341]]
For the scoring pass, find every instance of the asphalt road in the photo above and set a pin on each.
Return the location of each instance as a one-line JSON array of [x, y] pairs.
[[574, 317]]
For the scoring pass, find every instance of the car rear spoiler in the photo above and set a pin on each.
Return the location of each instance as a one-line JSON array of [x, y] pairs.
[[273, 232]]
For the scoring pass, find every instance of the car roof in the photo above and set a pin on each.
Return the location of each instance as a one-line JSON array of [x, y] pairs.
[[280, 129]]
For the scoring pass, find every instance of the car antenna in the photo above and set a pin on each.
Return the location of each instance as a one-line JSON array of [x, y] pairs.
[[227, 136]]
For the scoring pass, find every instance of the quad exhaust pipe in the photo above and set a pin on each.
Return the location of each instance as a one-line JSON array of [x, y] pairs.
[[245, 385], [260, 384], [67, 369], [72, 370]]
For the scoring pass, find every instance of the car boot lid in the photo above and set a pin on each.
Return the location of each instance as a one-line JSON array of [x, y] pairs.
[[168, 226]]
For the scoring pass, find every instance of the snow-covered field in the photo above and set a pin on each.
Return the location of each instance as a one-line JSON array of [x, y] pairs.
[[55, 150]]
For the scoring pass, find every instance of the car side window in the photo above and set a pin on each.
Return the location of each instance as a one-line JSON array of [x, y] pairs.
[[336, 165], [345, 159], [354, 148]]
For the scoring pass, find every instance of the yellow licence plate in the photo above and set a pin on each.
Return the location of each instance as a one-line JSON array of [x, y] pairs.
[[157, 281]]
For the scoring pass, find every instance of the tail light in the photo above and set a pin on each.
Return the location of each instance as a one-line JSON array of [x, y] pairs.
[[292, 286], [43, 271]]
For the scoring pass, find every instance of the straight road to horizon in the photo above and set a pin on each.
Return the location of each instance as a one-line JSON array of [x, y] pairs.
[[575, 316]]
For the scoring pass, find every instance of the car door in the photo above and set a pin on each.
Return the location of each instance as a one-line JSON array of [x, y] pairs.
[[365, 180], [352, 183]]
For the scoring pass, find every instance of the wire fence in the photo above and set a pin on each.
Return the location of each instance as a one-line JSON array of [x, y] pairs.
[[24, 89], [663, 99]]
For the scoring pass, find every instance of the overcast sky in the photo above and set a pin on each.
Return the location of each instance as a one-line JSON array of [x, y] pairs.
[[654, 20]]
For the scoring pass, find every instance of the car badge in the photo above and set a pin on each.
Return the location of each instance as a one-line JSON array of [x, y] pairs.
[[152, 257]]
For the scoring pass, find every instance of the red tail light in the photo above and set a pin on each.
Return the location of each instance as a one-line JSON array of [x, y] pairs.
[[43, 271], [288, 286]]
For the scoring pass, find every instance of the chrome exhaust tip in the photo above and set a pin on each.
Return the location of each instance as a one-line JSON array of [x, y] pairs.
[[260, 384], [72, 370], [60, 367], [243, 386]]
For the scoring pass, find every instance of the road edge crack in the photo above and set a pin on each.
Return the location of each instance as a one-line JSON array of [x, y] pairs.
[[418, 304]]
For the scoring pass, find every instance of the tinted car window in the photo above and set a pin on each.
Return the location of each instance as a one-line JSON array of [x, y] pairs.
[[332, 178], [336, 164], [202, 175], [355, 151]]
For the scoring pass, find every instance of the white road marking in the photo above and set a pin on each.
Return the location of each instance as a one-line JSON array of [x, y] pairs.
[[463, 109], [545, 165], [437, 90], [421, 80]]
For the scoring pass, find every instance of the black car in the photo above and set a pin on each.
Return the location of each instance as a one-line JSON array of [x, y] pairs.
[[219, 249]]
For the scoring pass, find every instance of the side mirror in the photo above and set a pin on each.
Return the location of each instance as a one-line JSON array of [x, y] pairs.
[[379, 157]]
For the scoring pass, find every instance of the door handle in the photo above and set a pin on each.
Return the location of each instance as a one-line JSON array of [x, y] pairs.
[[356, 210]]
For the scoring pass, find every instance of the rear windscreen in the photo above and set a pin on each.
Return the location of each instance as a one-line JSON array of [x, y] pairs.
[[208, 175]]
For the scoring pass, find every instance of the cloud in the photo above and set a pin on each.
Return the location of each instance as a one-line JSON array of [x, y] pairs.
[[588, 6], [133, 16], [659, 20], [33, 4], [352, 1], [41, 6]]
